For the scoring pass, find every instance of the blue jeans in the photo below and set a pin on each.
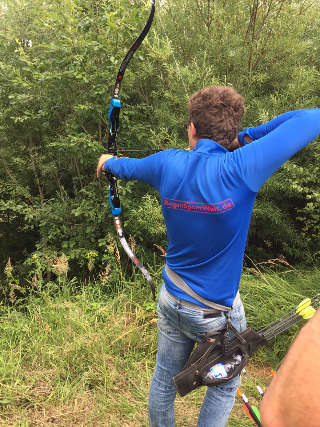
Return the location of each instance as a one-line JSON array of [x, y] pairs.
[[179, 327]]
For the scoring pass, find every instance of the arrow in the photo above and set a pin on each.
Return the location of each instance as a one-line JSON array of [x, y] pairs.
[[261, 392], [305, 309], [251, 411]]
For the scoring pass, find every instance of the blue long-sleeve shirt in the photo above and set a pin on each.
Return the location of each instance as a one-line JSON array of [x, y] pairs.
[[207, 197]]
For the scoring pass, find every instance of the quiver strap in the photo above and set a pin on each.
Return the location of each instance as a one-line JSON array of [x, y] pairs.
[[215, 348]]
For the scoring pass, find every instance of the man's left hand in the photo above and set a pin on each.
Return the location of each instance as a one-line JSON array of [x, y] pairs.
[[101, 162]]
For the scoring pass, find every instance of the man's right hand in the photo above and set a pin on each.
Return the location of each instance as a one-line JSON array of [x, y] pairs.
[[248, 139]]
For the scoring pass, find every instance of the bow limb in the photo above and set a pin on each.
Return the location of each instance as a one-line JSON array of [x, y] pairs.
[[132, 50], [113, 117]]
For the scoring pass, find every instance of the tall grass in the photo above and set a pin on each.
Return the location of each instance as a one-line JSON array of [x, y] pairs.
[[268, 294], [75, 355]]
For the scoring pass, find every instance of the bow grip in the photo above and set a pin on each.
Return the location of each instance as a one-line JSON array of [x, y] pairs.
[[114, 200], [113, 114]]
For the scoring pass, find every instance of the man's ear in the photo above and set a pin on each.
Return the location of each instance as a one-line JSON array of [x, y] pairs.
[[193, 130]]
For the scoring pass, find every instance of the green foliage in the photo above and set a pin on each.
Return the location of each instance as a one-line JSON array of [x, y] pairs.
[[54, 94], [146, 221], [53, 100]]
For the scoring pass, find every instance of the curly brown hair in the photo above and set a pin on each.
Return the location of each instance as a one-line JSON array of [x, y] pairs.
[[216, 112]]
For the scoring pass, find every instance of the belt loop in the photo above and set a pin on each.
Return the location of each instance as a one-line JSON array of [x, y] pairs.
[[228, 319]]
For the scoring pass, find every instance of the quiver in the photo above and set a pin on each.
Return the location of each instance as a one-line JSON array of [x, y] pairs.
[[214, 348]]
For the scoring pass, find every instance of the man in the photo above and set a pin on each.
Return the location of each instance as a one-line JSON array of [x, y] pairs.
[[207, 196], [292, 399]]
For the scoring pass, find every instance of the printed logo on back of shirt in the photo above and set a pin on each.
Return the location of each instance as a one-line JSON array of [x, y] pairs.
[[206, 208]]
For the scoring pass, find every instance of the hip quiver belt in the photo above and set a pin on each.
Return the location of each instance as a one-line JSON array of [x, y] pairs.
[[181, 284]]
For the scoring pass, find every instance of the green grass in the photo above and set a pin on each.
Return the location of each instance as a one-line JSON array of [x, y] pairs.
[[71, 356]]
